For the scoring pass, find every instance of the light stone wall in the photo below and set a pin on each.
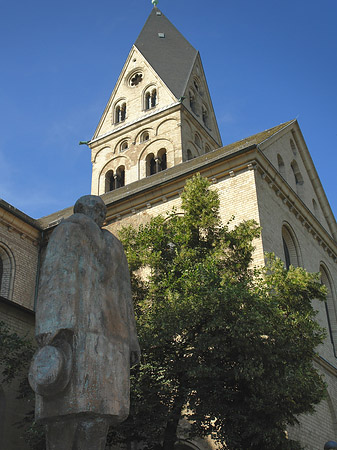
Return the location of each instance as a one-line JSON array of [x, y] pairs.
[[282, 146], [238, 202], [197, 85], [134, 95], [314, 430], [189, 130], [164, 133], [20, 241]]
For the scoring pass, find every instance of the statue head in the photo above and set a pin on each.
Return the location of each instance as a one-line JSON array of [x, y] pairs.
[[92, 206]]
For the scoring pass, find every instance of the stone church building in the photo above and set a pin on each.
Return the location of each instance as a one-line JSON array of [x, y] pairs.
[[157, 130]]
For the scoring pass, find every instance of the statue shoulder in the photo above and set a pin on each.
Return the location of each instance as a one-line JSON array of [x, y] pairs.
[[112, 240]]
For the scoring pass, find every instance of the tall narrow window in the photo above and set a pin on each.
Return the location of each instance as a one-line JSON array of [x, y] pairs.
[[197, 140], [291, 253], [207, 148], [281, 166], [120, 113], [162, 160], [330, 307], [153, 98], [150, 100], [147, 100], [293, 146], [7, 267], [192, 102], [205, 117], [120, 177], [123, 112], [150, 165], [110, 182], [189, 154], [299, 182]]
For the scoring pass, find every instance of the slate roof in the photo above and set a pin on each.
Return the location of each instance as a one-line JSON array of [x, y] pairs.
[[257, 138], [172, 56]]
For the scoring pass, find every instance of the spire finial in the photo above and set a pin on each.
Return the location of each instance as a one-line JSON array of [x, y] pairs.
[[154, 2]]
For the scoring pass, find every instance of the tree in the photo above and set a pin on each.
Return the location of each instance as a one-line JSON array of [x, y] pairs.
[[224, 345], [15, 356]]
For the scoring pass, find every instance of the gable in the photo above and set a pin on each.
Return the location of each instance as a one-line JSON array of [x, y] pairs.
[[136, 78], [288, 153], [198, 101]]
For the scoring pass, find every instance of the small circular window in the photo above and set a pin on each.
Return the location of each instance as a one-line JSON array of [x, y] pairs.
[[136, 79]]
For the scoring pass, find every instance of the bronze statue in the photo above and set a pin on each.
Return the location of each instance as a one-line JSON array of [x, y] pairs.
[[85, 330]]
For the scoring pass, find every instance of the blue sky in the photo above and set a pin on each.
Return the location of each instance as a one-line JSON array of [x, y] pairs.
[[266, 62]]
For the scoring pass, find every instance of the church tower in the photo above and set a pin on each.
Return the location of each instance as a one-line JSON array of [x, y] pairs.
[[159, 114]]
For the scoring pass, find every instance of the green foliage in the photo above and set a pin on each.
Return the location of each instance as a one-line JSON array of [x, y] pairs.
[[15, 355], [226, 346]]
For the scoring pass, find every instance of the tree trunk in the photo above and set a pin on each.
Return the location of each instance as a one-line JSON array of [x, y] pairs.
[[170, 434]]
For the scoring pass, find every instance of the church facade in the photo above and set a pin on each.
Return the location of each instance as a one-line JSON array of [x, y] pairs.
[[157, 130]]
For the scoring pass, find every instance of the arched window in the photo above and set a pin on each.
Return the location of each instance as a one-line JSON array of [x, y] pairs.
[[293, 146], [144, 136], [110, 181], [291, 254], [6, 272], [124, 146], [281, 166], [205, 117], [192, 101], [330, 306], [150, 165], [120, 112], [298, 178], [153, 98], [197, 140], [161, 160], [120, 177], [189, 154], [207, 148], [150, 98]]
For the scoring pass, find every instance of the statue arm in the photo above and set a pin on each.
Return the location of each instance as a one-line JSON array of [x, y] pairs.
[[57, 296]]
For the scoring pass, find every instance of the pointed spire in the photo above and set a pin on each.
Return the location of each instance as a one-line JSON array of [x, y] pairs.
[[168, 52]]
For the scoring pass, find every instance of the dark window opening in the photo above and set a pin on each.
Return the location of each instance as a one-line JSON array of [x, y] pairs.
[[192, 102], [151, 99], [120, 114], [136, 79], [205, 117], [286, 254], [145, 137], [110, 184], [152, 166], [120, 178], [163, 162], [147, 100], [124, 146]]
